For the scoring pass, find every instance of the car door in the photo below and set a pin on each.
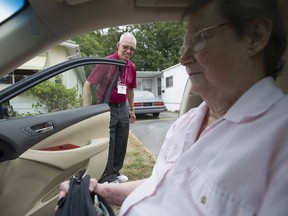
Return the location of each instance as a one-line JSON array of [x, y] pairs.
[[41, 147]]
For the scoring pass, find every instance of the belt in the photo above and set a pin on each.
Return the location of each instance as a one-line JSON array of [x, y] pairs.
[[117, 104]]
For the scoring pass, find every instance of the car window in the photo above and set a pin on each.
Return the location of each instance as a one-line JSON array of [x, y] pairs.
[[61, 92], [9, 8], [146, 94]]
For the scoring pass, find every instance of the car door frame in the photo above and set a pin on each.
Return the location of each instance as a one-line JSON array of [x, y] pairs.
[[11, 149], [25, 188]]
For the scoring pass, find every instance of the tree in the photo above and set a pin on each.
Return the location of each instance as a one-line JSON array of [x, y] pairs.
[[157, 44], [89, 45], [55, 96]]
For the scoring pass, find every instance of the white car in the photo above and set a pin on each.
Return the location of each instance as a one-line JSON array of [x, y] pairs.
[[146, 102]]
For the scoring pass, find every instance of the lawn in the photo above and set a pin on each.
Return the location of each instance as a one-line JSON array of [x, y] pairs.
[[138, 163], [139, 160]]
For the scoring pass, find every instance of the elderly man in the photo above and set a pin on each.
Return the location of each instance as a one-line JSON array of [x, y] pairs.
[[119, 123]]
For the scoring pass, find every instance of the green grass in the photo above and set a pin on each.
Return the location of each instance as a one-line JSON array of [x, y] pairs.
[[139, 162]]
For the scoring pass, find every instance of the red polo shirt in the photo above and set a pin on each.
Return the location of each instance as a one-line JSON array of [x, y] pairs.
[[102, 76]]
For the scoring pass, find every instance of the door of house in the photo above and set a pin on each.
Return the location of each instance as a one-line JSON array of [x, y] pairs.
[[159, 94]]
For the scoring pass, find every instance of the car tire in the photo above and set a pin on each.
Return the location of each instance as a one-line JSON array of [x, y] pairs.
[[156, 115]]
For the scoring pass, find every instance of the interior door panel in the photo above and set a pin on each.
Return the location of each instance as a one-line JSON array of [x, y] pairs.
[[39, 152], [36, 172], [26, 128]]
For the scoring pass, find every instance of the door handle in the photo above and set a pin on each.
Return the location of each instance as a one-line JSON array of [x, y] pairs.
[[39, 129], [44, 130]]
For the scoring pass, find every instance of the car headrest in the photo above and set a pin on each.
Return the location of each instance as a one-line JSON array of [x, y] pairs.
[[282, 80]]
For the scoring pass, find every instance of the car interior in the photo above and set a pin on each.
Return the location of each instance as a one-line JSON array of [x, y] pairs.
[[37, 153]]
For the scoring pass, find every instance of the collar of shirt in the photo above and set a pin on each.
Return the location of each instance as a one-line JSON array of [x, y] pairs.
[[254, 102], [266, 93], [115, 56]]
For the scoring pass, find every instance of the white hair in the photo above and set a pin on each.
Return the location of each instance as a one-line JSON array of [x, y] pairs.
[[127, 35]]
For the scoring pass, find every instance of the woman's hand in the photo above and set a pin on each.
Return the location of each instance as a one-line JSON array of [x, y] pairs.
[[64, 188]]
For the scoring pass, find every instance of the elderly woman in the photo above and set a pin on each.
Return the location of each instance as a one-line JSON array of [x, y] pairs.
[[229, 156]]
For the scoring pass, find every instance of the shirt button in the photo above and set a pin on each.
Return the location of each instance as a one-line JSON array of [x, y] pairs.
[[203, 200]]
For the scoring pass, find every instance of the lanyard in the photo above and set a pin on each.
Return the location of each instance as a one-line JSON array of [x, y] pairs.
[[125, 77]]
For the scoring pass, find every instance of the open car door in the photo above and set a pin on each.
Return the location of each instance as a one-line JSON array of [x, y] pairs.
[[42, 144]]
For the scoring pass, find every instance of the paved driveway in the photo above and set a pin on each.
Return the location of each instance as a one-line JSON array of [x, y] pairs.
[[151, 132]]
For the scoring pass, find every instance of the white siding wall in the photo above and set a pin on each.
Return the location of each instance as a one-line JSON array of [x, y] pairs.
[[172, 96], [71, 79], [22, 104], [56, 55]]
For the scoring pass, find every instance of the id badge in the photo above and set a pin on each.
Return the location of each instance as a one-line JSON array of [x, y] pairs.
[[121, 88]]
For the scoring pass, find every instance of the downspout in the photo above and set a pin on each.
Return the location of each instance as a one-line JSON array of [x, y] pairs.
[[77, 55]]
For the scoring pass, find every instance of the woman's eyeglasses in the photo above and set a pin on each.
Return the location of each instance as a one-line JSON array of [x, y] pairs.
[[198, 40]]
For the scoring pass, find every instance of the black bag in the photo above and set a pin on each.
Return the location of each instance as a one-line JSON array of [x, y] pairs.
[[80, 202]]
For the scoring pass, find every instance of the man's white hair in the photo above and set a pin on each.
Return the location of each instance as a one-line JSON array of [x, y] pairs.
[[127, 35]]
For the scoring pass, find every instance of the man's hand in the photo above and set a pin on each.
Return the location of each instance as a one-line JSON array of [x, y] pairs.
[[87, 97], [132, 116]]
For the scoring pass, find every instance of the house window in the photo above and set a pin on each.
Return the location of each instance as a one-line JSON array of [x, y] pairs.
[[16, 76], [169, 81], [139, 85], [147, 85], [8, 79]]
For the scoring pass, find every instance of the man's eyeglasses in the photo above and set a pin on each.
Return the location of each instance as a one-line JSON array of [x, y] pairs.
[[198, 40], [126, 47]]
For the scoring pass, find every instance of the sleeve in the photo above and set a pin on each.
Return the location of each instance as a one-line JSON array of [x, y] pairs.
[[96, 75], [168, 146], [275, 200], [133, 84]]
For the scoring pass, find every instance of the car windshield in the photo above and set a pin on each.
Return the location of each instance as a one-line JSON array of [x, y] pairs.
[[9, 8], [144, 94]]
